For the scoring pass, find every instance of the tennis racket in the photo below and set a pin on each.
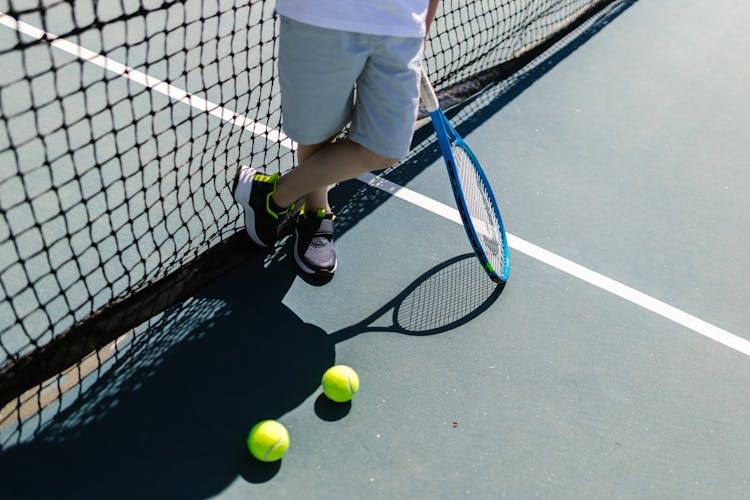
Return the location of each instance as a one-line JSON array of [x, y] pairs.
[[476, 203]]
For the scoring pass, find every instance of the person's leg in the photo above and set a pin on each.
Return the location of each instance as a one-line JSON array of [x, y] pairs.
[[382, 124], [318, 106], [320, 166], [317, 71], [381, 130], [326, 165], [317, 198]]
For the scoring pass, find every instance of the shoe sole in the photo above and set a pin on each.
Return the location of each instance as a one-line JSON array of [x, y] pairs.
[[304, 268], [242, 192]]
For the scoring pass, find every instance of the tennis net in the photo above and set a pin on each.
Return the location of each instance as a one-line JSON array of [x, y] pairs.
[[122, 124]]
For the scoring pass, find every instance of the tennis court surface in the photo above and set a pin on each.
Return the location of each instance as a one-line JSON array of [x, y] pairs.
[[142, 335]]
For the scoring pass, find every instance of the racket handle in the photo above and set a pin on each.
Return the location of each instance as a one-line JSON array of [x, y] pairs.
[[429, 98]]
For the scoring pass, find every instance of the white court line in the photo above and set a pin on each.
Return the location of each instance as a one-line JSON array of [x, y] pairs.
[[621, 290], [663, 309]]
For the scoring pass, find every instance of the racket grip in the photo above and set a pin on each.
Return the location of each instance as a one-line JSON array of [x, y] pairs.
[[427, 93]]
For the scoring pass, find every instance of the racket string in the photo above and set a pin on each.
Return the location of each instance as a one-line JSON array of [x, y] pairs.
[[481, 212]]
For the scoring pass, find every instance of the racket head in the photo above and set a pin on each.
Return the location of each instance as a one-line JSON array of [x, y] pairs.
[[475, 201], [480, 212]]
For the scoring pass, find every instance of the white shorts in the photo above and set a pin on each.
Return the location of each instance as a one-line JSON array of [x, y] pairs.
[[318, 71]]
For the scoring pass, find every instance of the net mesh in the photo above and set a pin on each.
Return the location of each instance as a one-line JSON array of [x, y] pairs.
[[122, 124]]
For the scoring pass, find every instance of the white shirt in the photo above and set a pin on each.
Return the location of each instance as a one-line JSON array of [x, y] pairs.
[[375, 17]]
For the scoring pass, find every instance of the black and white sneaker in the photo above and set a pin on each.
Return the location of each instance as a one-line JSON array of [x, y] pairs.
[[253, 190], [313, 247]]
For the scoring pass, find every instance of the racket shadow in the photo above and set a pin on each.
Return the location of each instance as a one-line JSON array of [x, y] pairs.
[[445, 297]]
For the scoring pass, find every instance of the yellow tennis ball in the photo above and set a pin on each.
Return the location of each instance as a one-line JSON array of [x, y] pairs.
[[268, 441], [340, 383]]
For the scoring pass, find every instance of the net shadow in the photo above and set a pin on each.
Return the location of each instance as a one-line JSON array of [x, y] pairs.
[[171, 409]]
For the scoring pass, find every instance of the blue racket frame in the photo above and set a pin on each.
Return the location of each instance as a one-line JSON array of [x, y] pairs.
[[448, 136]]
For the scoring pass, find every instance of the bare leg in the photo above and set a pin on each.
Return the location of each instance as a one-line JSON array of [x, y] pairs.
[[327, 164], [318, 198]]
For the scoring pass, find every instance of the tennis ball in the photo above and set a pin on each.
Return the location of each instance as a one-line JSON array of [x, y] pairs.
[[340, 383], [268, 441]]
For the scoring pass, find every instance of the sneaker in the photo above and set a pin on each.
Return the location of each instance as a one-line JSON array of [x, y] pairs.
[[313, 243], [253, 191]]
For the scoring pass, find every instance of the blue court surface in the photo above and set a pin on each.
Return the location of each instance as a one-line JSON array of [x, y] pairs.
[[615, 363]]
